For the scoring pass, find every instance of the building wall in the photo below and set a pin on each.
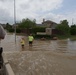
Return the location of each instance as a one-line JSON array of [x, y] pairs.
[[48, 31]]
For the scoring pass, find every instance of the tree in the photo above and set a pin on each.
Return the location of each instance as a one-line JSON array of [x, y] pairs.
[[8, 26], [64, 22], [73, 30], [63, 26], [27, 23]]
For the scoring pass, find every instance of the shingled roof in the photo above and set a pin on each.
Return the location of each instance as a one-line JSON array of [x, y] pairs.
[[48, 22]]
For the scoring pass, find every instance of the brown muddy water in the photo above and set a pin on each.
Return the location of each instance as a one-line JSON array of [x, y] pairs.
[[49, 57]]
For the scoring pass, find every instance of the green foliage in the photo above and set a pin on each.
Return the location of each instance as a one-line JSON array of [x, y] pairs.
[[10, 30], [38, 29], [64, 27], [63, 36], [27, 23], [8, 26], [73, 30], [18, 30], [64, 22], [41, 36]]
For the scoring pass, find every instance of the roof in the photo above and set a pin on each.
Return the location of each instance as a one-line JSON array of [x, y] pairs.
[[39, 24], [48, 21]]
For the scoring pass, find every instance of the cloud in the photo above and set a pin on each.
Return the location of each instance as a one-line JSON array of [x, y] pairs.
[[40, 5], [6, 11], [5, 16], [33, 9], [69, 16], [36, 8]]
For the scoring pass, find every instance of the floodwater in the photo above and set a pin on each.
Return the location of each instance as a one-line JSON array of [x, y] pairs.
[[48, 57]]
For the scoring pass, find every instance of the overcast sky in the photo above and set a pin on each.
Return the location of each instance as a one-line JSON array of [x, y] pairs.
[[54, 10]]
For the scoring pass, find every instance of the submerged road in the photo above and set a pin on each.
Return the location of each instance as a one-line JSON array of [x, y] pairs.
[[49, 57]]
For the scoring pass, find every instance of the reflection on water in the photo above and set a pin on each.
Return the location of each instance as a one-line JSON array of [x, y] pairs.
[[63, 46]]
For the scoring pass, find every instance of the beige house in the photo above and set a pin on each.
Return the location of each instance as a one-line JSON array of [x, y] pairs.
[[49, 24]]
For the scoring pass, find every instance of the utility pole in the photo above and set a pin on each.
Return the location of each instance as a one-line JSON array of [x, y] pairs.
[[72, 21], [15, 18]]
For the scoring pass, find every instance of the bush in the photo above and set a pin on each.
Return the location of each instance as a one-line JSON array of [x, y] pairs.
[[38, 29], [41, 36], [11, 30], [73, 31], [18, 30]]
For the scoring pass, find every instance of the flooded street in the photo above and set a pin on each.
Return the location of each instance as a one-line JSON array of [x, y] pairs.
[[49, 57]]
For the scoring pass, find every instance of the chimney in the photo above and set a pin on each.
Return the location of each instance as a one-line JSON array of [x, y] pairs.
[[43, 20]]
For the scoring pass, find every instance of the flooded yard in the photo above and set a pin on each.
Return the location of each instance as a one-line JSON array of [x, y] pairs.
[[49, 57]]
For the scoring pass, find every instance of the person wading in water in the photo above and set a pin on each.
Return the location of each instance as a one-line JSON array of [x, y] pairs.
[[31, 38], [22, 43]]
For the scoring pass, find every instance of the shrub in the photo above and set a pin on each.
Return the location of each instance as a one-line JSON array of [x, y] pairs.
[[11, 30], [18, 30], [38, 29], [41, 36]]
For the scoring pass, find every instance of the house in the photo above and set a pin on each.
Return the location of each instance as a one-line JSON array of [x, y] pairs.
[[49, 24], [39, 25]]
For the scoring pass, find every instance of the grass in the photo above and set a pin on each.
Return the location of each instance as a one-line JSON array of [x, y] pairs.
[[72, 37]]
